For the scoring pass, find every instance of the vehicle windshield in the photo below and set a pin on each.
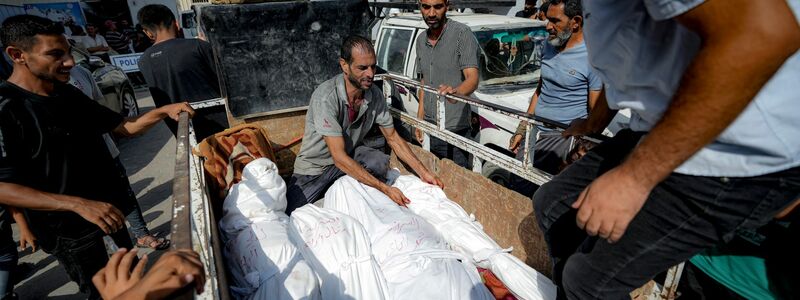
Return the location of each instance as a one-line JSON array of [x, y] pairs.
[[510, 56]]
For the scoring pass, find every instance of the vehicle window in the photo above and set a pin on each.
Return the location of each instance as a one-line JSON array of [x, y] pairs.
[[393, 49], [510, 56]]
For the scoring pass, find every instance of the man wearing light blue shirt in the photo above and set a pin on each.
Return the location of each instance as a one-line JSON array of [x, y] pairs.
[[713, 146], [566, 92]]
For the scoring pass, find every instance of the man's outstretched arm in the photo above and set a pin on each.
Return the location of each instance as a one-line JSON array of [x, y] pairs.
[[400, 147], [713, 92], [102, 214], [139, 124], [349, 166]]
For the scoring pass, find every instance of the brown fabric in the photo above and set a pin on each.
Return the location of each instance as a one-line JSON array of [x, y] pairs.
[[226, 153]]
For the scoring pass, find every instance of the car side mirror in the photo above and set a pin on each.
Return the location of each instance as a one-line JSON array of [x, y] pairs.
[[96, 62], [187, 19]]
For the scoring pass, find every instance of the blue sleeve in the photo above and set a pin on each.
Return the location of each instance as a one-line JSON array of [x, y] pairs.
[[595, 84]]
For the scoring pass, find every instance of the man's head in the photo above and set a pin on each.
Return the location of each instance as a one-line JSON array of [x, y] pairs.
[[541, 15], [37, 46], [155, 18], [357, 59], [565, 18], [91, 29], [433, 12], [110, 25], [124, 23], [530, 7]]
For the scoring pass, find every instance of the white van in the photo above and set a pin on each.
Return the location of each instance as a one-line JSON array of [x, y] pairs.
[[505, 83]]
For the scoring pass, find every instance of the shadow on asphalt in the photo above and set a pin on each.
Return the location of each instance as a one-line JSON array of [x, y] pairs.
[[143, 145]]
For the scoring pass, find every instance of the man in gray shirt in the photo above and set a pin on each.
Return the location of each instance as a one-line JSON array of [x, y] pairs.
[[341, 112], [447, 56]]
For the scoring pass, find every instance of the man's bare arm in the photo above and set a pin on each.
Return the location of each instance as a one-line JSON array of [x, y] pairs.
[[592, 98], [469, 85], [349, 166], [400, 147], [713, 90], [104, 215], [599, 117], [712, 93], [139, 124]]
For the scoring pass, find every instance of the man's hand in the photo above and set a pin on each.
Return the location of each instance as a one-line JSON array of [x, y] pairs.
[[174, 110], [396, 195], [429, 178], [516, 140], [102, 214], [419, 135], [27, 239], [116, 278], [609, 203], [578, 127], [447, 90], [173, 271]]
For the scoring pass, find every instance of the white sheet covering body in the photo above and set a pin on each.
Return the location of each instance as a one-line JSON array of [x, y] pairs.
[[414, 258], [466, 235], [263, 262], [338, 250]]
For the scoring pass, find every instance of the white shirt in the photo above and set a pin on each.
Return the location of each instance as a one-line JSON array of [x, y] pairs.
[[90, 42]]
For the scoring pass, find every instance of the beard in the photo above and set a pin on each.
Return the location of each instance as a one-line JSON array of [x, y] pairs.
[[434, 25], [361, 85], [560, 38]]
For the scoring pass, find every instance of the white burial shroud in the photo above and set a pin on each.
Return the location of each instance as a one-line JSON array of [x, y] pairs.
[[466, 235], [263, 262], [413, 256]]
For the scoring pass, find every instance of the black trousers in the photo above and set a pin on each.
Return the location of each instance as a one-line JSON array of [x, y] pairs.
[[682, 216]]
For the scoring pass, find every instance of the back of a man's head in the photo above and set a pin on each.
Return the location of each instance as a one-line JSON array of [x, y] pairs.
[[572, 8], [20, 31], [353, 42], [156, 16]]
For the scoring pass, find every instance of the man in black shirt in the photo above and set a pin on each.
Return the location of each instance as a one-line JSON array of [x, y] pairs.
[[53, 159], [178, 69]]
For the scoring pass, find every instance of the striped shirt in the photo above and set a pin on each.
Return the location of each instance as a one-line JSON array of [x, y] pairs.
[[118, 41], [457, 49]]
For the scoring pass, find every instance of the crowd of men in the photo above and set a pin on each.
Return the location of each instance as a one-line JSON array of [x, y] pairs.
[[712, 147]]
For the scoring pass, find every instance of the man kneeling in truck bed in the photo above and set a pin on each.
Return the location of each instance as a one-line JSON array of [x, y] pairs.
[[341, 112]]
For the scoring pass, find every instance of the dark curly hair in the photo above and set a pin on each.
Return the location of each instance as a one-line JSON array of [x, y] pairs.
[[572, 8], [20, 31]]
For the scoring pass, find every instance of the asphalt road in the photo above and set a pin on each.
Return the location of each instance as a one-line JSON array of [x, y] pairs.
[[149, 160]]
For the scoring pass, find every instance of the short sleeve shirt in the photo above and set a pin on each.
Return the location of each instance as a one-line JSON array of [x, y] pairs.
[[457, 49], [640, 52], [566, 79], [55, 144], [328, 116]]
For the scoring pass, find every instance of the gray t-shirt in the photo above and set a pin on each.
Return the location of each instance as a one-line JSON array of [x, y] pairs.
[[328, 116], [457, 49]]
